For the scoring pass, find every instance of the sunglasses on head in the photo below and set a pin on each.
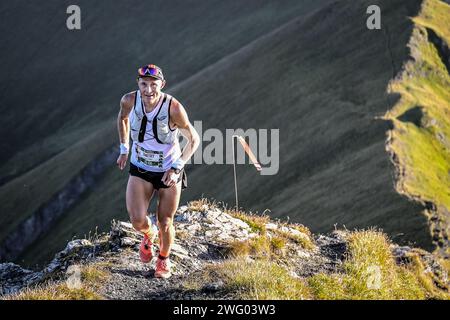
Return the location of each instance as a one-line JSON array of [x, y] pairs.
[[150, 70]]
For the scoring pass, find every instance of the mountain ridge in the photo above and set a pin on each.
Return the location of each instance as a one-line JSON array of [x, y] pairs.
[[417, 142], [212, 242]]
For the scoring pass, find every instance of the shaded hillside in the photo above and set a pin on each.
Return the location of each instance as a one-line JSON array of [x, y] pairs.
[[329, 87], [75, 78], [326, 89], [72, 79]]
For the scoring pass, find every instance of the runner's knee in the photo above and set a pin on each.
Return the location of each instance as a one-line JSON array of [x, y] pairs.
[[165, 224], [139, 223]]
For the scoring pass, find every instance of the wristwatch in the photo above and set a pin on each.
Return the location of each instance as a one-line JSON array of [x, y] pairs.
[[177, 171]]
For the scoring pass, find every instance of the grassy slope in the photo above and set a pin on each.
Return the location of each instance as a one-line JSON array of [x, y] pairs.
[[330, 75], [423, 147]]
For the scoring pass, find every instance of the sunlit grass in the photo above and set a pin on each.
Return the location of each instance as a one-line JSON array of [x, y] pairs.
[[423, 152], [260, 280], [92, 277], [370, 272]]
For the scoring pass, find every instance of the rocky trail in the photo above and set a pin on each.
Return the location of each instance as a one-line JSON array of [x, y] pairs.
[[203, 238]]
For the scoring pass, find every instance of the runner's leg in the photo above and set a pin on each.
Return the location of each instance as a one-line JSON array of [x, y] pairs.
[[169, 199], [138, 195]]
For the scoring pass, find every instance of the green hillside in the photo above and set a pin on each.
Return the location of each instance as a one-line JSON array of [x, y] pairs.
[[420, 138]]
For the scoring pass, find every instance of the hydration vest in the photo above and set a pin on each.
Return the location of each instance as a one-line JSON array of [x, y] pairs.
[[162, 132]]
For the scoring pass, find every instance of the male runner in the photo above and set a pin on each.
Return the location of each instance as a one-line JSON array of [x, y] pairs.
[[154, 119]]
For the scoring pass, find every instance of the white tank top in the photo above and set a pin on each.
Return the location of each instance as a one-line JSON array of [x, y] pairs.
[[150, 155]]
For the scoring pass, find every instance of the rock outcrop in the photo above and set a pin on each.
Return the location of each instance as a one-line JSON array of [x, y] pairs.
[[203, 237]]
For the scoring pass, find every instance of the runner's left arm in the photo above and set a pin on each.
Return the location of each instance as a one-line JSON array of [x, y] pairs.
[[180, 118]]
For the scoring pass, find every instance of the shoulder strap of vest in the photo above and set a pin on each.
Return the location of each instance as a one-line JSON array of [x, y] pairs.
[[134, 104], [161, 105], [168, 113], [154, 122], [142, 106]]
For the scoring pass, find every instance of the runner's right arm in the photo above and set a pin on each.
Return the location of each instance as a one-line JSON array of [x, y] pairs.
[[123, 126], [123, 123]]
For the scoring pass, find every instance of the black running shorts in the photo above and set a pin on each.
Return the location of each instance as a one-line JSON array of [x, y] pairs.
[[155, 177]]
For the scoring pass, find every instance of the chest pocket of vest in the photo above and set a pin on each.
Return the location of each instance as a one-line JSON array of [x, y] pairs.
[[165, 135], [161, 129]]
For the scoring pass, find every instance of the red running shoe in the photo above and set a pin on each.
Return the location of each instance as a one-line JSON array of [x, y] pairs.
[[163, 268], [146, 249]]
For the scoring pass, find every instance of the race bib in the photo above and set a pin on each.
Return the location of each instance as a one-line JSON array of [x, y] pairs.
[[149, 157]]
